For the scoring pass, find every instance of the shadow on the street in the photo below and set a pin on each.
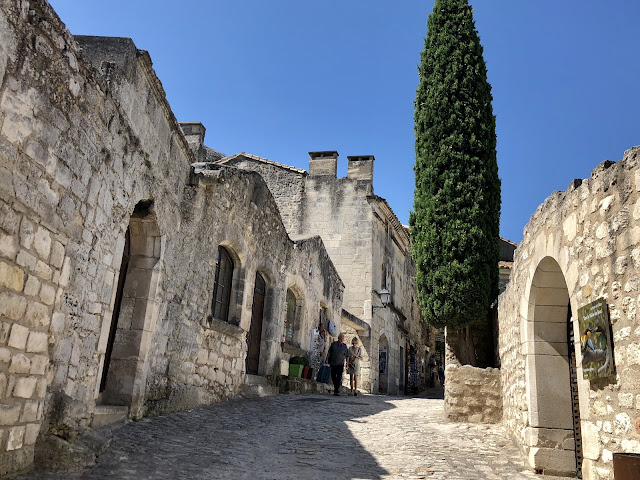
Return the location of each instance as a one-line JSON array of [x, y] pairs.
[[276, 438]]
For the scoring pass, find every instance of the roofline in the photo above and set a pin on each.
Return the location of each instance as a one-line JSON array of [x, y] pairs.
[[506, 240], [397, 225], [224, 160]]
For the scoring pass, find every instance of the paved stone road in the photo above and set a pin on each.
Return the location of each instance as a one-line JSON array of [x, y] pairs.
[[307, 437]]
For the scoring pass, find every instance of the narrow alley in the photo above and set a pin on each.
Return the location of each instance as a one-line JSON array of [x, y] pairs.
[[306, 437]]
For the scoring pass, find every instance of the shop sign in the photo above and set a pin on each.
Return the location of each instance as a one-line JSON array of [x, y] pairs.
[[595, 340]]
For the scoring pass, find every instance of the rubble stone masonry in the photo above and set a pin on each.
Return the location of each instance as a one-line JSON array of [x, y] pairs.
[[89, 148], [580, 245]]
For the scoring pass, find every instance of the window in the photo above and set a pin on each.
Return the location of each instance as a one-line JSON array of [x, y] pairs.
[[292, 320], [384, 276], [222, 285]]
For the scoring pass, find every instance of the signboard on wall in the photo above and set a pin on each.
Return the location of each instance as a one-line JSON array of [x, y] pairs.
[[595, 340]]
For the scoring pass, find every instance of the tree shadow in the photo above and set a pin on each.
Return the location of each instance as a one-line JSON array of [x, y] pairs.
[[282, 437]]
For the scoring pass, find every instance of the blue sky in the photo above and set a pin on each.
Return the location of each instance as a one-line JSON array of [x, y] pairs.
[[280, 78]]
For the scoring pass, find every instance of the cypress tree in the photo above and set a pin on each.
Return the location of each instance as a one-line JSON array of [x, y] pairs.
[[456, 217]]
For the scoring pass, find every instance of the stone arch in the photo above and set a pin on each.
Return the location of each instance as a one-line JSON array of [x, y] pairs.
[[234, 314], [270, 331], [550, 433], [135, 312], [294, 315]]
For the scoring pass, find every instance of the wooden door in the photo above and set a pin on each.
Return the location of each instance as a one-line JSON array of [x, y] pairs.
[[126, 256], [255, 331]]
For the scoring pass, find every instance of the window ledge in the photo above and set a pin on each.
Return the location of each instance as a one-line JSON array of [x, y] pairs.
[[292, 349], [224, 327]]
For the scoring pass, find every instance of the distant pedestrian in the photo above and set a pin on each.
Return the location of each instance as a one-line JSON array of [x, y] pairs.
[[353, 367], [441, 374], [338, 353]]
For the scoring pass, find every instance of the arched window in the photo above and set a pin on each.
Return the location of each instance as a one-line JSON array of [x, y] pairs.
[[292, 321], [222, 285]]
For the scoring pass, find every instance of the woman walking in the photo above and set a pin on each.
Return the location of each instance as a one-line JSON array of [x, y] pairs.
[[353, 367]]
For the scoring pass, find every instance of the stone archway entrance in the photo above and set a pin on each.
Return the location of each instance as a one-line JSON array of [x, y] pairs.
[[255, 330], [552, 396], [134, 314]]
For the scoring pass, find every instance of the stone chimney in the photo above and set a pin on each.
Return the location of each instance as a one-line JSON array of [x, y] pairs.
[[360, 167], [323, 163], [194, 133]]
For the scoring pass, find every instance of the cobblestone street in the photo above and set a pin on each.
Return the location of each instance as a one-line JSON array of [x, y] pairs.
[[306, 437]]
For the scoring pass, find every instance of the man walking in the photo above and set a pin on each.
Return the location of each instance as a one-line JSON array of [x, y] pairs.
[[338, 353]]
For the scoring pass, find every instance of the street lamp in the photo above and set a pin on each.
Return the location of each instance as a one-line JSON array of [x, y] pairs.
[[385, 298]]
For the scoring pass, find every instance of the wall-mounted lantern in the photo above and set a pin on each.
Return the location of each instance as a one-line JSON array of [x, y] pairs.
[[385, 298]]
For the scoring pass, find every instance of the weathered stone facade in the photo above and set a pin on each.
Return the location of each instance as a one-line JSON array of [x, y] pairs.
[[371, 252], [580, 245], [90, 156]]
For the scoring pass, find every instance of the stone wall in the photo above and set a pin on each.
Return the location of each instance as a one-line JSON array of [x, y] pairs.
[[367, 244], [472, 394], [580, 245], [89, 149]]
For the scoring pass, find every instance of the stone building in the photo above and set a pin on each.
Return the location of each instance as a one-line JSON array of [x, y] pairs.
[[581, 245], [131, 282], [505, 264], [371, 251]]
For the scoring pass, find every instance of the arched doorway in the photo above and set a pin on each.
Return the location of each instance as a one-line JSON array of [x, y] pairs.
[[255, 330], [134, 315], [383, 365], [553, 435]]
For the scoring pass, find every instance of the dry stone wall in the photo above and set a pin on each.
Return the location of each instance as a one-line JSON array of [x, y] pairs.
[[580, 245], [89, 148], [472, 394]]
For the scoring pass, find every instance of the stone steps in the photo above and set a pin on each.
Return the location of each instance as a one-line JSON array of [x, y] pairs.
[[106, 414], [256, 386]]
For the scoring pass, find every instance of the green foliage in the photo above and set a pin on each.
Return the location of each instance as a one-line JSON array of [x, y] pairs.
[[299, 361], [456, 217]]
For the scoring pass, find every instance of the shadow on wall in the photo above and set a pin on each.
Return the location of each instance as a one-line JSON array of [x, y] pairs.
[[305, 437]]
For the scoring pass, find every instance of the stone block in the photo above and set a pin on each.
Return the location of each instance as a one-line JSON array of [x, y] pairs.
[[625, 400], [25, 259], [42, 243], [37, 342], [27, 232], [552, 461], [20, 363], [57, 255], [590, 441], [550, 402], [11, 277], [25, 387], [15, 440], [548, 332], [48, 294], [65, 273], [5, 355], [31, 433], [18, 336], [10, 414], [12, 306], [39, 364], [29, 411], [8, 246], [32, 286], [43, 270], [37, 315]]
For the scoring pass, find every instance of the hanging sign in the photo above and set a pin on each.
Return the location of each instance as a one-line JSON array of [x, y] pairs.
[[595, 340]]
